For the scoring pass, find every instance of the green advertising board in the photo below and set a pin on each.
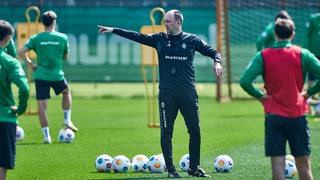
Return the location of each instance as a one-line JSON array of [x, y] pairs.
[[110, 58], [98, 58]]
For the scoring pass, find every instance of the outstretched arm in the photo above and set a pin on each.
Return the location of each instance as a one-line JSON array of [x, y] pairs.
[[145, 39], [104, 29]]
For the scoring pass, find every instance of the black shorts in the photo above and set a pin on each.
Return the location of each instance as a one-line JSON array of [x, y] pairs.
[[311, 76], [279, 130], [43, 88], [7, 144]]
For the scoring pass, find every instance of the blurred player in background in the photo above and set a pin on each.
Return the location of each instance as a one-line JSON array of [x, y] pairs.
[[266, 38], [284, 67], [312, 42], [11, 72], [11, 49], [52, 48], [176, 50]]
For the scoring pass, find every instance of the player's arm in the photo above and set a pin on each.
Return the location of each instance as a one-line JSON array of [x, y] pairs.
[[66, 56], [66, 50], [23, 55], [253, 70], [312, 64], [148, 40], [265, 37], [18, 77], [260, 41], [11, 49], [203, 48]]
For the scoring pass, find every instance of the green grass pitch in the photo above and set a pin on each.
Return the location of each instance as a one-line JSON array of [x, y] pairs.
[[118, 125]]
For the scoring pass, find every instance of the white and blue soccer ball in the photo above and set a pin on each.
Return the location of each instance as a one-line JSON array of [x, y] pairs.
[[290, 169], [161, 156], [317, 110], [156, 164], [223, 163], [139, 163], [289, 157], [103, 163], [66, 135], [19, 134], [121, 164], [185, 162]]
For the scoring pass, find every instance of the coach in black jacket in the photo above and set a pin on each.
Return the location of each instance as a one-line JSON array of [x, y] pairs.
[[176, 50]]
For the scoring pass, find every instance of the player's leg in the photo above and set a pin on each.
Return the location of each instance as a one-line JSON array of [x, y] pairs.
[[189, 108], [43, 118], [8, 147], [42, 95], [66, 105], [303, 164], [190, 111], [62, 87], [300, 145], [66, 100], [278, 165], [3, 173], [275, 144], [168, 110]]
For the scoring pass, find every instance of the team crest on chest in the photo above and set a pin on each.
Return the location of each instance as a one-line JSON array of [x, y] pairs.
[[184, 46], [169, 44]]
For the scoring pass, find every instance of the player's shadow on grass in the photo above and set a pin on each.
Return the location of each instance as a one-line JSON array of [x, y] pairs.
[[143, 176], [39, 143], [130, 178], [27, 144], [136, 178]]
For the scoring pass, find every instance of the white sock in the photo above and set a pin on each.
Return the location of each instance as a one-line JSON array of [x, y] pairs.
[[66, 116], [46, 133]]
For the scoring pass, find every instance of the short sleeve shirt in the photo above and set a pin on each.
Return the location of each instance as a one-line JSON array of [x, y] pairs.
[[50, 48]]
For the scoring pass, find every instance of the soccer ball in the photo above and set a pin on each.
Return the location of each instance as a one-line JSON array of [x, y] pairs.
[[103, 163], [139, 163], [317, 110], [185, 162], [120, 164], [223, 163], [290, 169], [161, 156], [66, 135], [289, 157], [19, 133], [156, 164]]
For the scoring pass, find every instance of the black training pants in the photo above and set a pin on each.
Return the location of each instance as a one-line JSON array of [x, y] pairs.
[[170, 102]]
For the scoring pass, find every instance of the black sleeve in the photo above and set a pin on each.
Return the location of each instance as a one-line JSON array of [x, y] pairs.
[[146, 39], [207, 50]]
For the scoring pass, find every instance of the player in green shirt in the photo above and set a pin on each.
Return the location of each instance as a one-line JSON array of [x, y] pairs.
[[11, 49], [10, 72], [312, 34], [266, 38], [312, 42], [52, 48]]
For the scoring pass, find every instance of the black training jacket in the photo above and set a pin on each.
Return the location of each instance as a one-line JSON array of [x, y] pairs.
[[175, 55]]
